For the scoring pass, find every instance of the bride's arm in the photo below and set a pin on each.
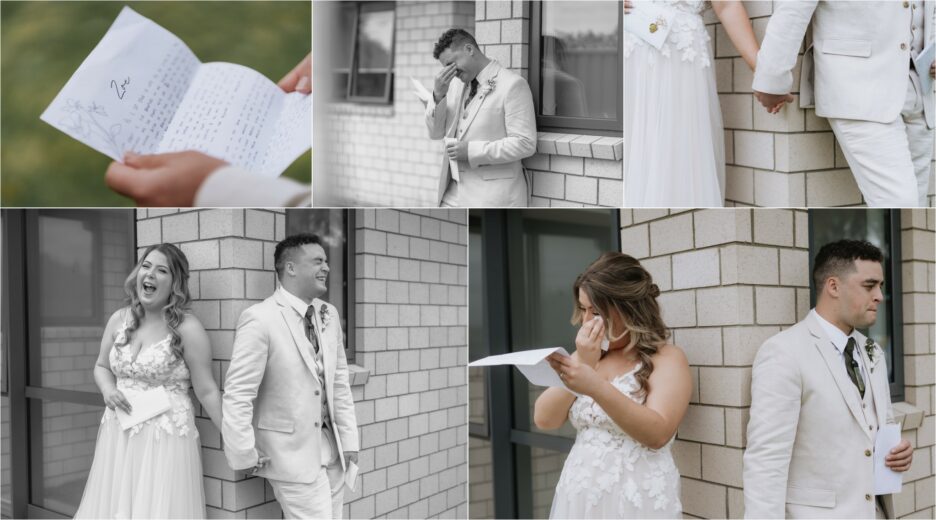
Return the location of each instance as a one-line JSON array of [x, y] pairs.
[[197, 353], [655, 422], [103, 377], [552, 408], [734, 19]]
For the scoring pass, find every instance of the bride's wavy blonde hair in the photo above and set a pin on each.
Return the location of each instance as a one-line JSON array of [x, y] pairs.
[[179, 298], [624, 294]]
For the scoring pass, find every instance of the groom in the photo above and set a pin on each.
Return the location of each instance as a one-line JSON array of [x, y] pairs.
[[819, 394], [287, 410], [487, 121], [864, 82]]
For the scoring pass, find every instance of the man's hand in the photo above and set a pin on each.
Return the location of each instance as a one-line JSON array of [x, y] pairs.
[[168, 179], [300, 78], [933, 70], [628, 6], [261, 462], [773, 102], [442, 80], [457, 150], [350, 456], [900, 456]]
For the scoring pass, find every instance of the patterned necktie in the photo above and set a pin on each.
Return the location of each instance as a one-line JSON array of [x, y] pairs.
[[472, 92], [310, 327], [852, 366]]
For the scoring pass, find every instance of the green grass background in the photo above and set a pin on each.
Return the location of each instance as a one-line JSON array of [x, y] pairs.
[[43, 43]]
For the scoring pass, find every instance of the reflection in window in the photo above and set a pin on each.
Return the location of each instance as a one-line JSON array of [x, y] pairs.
[[580, 62], [68, 252], [362, 51], [876, 226]]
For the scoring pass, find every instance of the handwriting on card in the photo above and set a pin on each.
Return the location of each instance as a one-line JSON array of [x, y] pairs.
[[121, 89]]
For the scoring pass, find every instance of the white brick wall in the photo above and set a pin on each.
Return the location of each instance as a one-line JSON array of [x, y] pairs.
[[732, 278], [789, 159]]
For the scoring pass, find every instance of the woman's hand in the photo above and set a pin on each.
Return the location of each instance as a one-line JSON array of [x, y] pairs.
[[114, 398], [577, 376], [588, 341], [628, 6]]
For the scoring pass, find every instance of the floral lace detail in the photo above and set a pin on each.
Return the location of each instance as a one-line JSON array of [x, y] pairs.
[[606, 464], [687, 36], [155, 365]]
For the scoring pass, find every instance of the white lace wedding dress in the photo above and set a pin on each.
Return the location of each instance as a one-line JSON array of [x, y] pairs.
[[610, 475], [674, 149], [153, 469]]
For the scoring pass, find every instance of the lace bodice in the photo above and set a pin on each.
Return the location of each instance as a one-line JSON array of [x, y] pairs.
[[687, 40], [607, 465], [155, 365]]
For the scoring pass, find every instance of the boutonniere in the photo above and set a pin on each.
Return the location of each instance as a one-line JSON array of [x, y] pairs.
[[874, 352], [324, 315], [488, 87]]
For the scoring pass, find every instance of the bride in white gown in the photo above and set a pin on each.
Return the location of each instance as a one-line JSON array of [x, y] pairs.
[[674, 146], [633, 397]]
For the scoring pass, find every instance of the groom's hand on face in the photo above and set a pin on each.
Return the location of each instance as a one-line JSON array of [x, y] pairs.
[[900, 456], [773, 102], [442, 80]]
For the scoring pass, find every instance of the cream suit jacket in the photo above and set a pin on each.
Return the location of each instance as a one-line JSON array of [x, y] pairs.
[[857, 66], [500, 131], [272, 400], [809, 447]]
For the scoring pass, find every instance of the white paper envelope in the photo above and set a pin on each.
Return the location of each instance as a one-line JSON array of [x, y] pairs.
[[531, 363], [145, 404], [350, 476], [649, 23], [922, 63], [421, 92], [886, 480]]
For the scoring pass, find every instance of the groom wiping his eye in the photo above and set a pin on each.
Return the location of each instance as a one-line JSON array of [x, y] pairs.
[[861, 73], [819, 395]]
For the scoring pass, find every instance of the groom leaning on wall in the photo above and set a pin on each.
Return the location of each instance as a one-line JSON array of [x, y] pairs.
[[488, 124], [860, 73], [287, 411], [819, 395]]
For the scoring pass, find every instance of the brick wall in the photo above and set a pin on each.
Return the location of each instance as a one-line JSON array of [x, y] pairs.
[[786, 160], [730, 279], [409, 382], [381, 155]]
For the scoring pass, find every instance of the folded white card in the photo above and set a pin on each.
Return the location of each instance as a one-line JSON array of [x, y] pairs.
[[922, 64], [143, 90], [453, 164], [421, 92], [648, 22], [144, 405], [886, 480], [350, 476], [531, 363]]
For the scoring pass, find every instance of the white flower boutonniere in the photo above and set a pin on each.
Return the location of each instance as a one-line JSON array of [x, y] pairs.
[[324, 315], [874, 352], [488, 87]]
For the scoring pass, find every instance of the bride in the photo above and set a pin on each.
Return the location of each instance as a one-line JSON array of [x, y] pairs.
[[153, 469], [633, 397], [673, 138]]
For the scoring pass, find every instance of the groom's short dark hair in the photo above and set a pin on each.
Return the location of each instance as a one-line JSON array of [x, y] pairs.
[[452, 38], [284, 249], [838, 258]]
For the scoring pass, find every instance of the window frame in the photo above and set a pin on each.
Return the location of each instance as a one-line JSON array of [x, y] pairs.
[[566, 124], [387, 97]]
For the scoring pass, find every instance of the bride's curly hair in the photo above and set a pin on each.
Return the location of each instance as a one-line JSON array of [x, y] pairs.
[[624, 294], [179, 298]]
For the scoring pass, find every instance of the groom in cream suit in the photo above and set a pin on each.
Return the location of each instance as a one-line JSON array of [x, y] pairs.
[[859, 74], [488, 124], [288, 414], [819, 394]]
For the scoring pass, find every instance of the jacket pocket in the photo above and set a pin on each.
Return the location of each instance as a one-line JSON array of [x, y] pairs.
[[810, 496], [858, 48], [276, 425]]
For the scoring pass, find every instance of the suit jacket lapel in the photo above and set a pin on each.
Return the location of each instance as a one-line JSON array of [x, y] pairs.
[[323, 345], [877, 393], [299, 338], [837, 368], [477, 106]]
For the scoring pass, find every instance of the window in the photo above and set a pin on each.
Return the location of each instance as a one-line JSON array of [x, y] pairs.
[[881, 227], [577, 66], [362, 52], [336, 229]]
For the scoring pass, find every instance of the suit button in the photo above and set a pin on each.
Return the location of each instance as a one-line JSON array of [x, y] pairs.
[[316, 425], [867, 453], [906, 5], [868, 498], [317, 392], [903, 46]]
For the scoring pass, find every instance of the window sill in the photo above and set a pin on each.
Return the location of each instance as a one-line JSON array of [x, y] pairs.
[[358, 375], [579, 145], [908, 415]]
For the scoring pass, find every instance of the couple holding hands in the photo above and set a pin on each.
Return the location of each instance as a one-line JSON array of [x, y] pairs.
[[286, 413], [820, 396]]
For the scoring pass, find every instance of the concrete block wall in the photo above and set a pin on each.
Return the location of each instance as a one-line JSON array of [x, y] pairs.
[[569, 169], [730, 279], [411, 334], [790, 159]]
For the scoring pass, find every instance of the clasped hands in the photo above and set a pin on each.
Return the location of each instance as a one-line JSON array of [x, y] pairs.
[[577, 371]]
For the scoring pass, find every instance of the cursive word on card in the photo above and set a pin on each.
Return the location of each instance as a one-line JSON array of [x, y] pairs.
[[121, 89]]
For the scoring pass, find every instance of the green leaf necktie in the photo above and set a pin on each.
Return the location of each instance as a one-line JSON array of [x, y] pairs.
[[852, 366]]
